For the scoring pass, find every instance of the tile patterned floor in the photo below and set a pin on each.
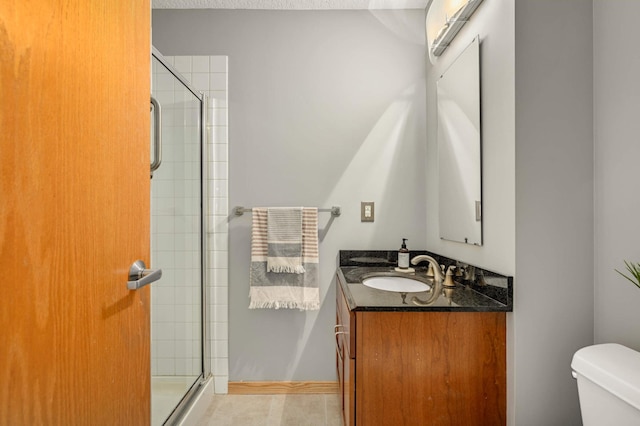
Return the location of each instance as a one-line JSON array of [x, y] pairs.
[[273, 410]]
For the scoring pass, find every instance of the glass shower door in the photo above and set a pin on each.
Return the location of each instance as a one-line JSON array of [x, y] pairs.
[[176, 243]]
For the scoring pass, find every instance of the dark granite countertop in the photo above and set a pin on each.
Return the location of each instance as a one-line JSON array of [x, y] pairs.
[[482, 291]]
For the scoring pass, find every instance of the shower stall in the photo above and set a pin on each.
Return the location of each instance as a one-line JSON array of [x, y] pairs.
[[179, 360]]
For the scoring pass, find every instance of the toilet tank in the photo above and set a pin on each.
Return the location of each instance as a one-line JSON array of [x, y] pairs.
[[608, 378]]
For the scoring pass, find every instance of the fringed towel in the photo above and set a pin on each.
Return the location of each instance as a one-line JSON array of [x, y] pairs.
[[289, 290]]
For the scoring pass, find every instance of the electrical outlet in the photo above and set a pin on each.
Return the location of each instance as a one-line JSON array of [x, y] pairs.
[[367, 213]]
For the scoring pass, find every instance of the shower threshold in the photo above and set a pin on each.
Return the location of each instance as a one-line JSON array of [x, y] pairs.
[[167, 392]]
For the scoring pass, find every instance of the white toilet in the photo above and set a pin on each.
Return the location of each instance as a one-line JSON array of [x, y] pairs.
[[608, 378]]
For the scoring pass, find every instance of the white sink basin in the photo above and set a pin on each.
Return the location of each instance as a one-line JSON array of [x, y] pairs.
[[395, 283]]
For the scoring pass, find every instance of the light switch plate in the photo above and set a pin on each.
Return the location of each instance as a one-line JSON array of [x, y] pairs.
[[367, 212]]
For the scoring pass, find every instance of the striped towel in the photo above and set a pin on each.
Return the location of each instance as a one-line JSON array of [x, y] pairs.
[[269, 289], [284, 240]]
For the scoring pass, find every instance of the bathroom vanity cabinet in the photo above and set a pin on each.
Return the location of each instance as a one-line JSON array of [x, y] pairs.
[[408, 366]]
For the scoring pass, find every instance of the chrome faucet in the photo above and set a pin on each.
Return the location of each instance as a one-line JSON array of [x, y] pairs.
[[437, 272]]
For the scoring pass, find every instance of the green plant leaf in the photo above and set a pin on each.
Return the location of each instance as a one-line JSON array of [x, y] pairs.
[[634, 270]]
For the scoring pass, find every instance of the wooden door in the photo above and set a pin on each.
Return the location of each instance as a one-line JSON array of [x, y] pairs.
[[74, 211]]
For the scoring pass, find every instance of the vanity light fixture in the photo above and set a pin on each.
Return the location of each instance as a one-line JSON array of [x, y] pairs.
[[452, 25]]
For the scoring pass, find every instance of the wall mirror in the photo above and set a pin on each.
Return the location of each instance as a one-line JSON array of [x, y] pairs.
[[459, 149]]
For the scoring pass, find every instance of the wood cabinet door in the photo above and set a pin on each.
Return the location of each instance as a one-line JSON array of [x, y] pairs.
[[349, 391], [74, 212], [431, 368], [345, 320]]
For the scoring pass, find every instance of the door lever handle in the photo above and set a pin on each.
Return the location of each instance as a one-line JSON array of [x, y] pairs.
[[139, 276]]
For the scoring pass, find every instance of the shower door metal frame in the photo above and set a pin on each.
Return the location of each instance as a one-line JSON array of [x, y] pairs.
[[204, 262]]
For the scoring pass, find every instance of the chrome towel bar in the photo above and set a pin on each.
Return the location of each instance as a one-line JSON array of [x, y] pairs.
[[239, 210]]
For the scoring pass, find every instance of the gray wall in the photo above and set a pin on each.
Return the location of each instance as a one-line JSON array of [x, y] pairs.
[[617, 176], [325, 108], [553, 312], [493, 22]]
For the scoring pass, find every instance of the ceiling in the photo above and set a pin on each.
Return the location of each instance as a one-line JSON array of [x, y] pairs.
[[290, 4]]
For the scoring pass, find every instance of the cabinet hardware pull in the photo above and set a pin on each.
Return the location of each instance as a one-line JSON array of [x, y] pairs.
[[338, 344]]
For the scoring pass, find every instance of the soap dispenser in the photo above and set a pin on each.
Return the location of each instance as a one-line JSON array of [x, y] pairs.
[[403, 255]]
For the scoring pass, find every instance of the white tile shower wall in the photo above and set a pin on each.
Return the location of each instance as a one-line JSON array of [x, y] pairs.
[[208, 74], [176, 234]]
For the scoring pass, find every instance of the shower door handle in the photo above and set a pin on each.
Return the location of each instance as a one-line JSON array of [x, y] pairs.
[[139, 276], [157, 134]]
